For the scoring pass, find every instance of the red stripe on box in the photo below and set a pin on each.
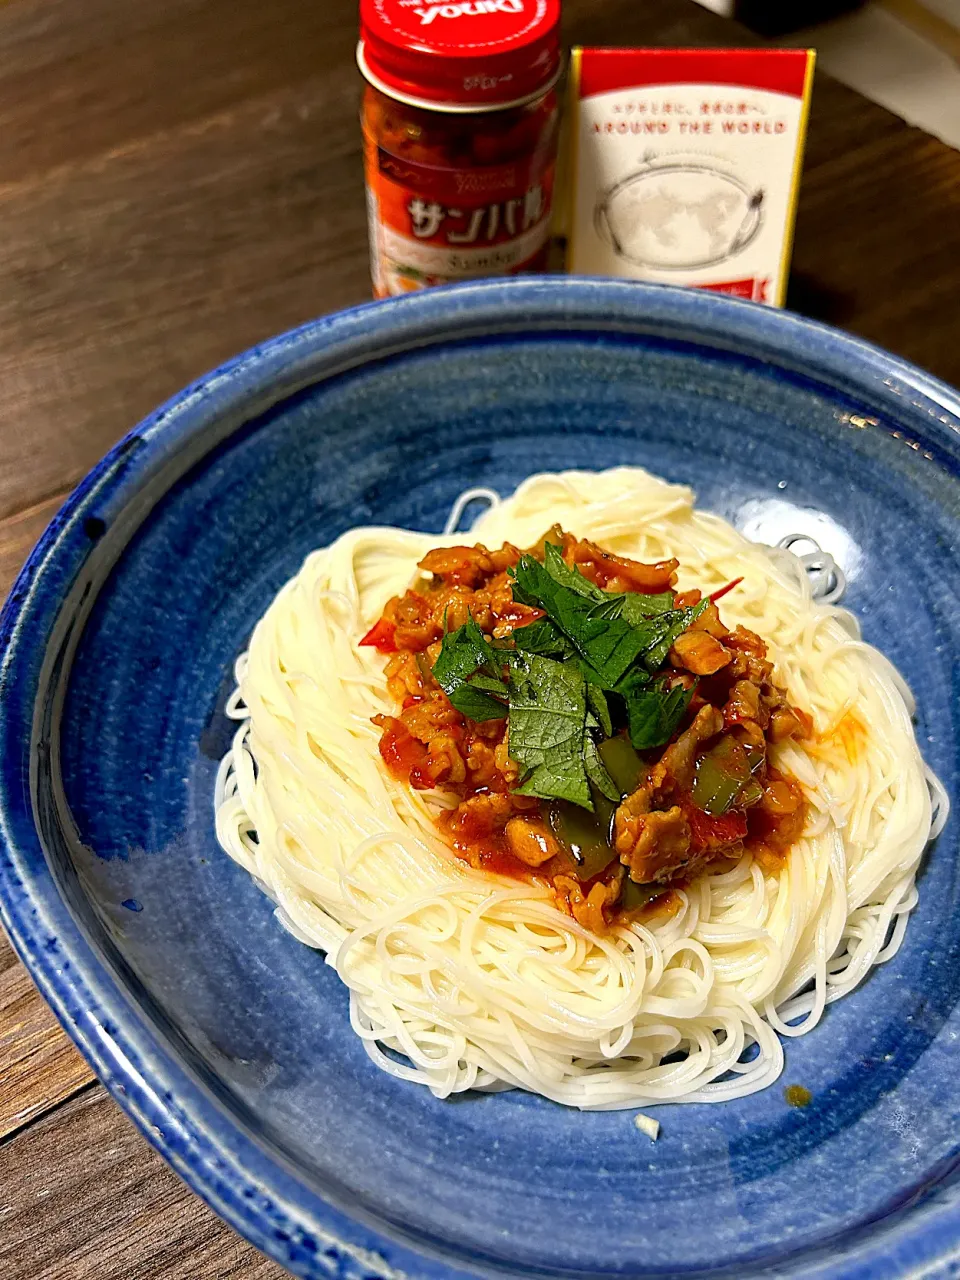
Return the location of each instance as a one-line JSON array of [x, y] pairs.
[[755, 288], [776, 70]]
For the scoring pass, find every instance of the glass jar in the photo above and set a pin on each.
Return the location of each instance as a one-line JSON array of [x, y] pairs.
[[460, 120]]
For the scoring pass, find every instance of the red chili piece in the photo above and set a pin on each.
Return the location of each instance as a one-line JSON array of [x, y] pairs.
[[380, 636], [718, 595]]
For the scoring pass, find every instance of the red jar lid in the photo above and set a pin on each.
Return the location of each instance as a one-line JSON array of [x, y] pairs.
[[462, 55]]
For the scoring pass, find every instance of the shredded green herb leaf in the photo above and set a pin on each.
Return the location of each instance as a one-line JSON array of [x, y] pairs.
[[637, 607], [667, 626], [654, 715], [609, 631], [596, 771], [590, 621], [598, 705], [565, 667], [564, 576], [543, 636], [546, 729], [463, 654], [469, 701]]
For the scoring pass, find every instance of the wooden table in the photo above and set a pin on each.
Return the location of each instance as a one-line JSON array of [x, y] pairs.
[[177, 182]]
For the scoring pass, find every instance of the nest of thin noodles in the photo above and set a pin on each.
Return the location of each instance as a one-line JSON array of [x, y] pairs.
[[462, 980]]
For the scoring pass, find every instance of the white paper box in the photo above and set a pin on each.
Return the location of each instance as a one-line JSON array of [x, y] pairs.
[[684, 165]]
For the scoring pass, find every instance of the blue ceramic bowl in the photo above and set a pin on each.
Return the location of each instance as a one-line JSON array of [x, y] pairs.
[[228, 1042]]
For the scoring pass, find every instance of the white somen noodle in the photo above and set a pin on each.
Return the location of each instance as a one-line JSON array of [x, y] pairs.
[[459, 979]]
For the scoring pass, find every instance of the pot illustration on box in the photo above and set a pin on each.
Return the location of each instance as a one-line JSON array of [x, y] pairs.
[[676, 214]]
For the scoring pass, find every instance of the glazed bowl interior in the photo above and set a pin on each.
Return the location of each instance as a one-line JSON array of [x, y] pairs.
[[230, 1041]]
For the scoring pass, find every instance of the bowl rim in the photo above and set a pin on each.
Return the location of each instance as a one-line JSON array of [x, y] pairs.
[[249, 1187]]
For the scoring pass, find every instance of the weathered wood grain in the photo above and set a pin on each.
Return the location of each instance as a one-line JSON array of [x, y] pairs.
[[18, 533], [181, 249], [82, 1197], [39, 1066]]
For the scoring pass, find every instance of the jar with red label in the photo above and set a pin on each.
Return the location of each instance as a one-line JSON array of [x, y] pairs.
[[460, 118]]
